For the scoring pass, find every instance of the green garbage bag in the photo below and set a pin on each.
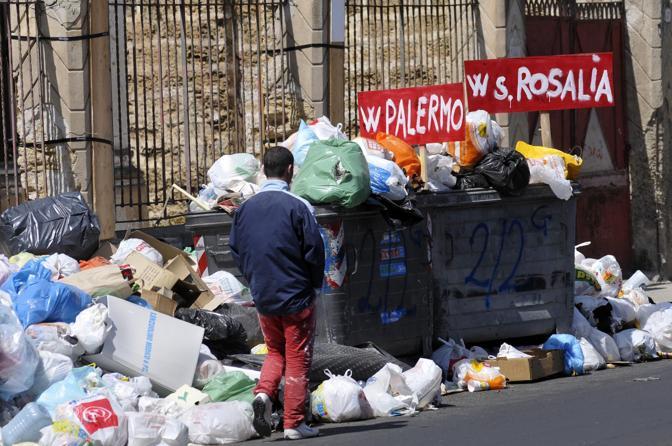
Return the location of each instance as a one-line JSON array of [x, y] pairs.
[[230, 386], [334, 172]]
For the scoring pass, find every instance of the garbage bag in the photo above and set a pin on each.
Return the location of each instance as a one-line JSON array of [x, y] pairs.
[[623, 310], [56, 338], [636, 297], [89, 328], [126, 247], [599, 313], [471, 180], [223, 334], [605, 345], [227, 288], [61, 265], [53, 368], [505, 170], [551, 170], [572, 349], [482, 135], [44, 301], [440, 172], [388, 393], [220, 423], [370, 147], [205, 371], [94, 262], [448, 355], [6, 269], [659, 324], [76, 386], [148, 429], [232, 168], [248, 318], [397, 214], [107, 280], [173, 408], [304, 138], [510, 352], [425, 381], [127, 390], [20, 259], [230, 386], [32, 270], [324, 129], [572, 162], [100, 418], [608, 274], [592, 359], [335, 172], [60, 224], [339, 399], [474, 375], [387, 179], [642, 343], [404, 154], [18, 358], [585, 282]]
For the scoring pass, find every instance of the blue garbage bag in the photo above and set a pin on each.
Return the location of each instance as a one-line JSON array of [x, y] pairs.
[[74, 387], [140, 301], [304, 138], [32, 270], [572, 349]]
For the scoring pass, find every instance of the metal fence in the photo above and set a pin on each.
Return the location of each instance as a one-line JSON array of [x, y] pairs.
[[193, 80], [406, 43], [600, 10]]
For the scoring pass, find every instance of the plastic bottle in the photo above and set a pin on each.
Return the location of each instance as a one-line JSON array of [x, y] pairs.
[[25, 426], [477, 386]]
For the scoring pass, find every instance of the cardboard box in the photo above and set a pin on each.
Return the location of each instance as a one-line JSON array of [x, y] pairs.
[[148, 274], [161, 299], [167, 251], [542, 364], [145, 342]]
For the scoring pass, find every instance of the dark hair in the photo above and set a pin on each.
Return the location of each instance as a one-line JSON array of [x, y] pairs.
[[276, 161]]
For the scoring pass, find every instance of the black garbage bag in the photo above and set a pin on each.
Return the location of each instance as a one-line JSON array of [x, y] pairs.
[[249, 319], [223, 334], [61, 224], [471, 180], [506, 170], [397, 214]]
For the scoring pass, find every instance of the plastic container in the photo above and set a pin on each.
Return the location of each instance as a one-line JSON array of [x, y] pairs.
[[637, 280], [25, 426]]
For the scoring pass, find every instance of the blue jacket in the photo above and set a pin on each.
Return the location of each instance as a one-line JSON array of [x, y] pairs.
[[276, 242]]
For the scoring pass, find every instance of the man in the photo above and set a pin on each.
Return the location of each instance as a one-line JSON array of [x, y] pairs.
[[276, 242]]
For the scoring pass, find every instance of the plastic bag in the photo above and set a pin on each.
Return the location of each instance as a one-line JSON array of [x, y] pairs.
[[335, 172], [105, 280], [76, 386], [486, 376], [53, 368], [18, 358], [89, 328], [440, 170], [55, 338], [63, 223], [572, 162], [608, 274], [636, 297], [436, 148], [370, 147], [230, 168], [388, 394], [404, 155], [61, 265], [471, 180], [425, 381], [230, 386], [223, 334], [659, 324], [511, 352], [45, 301], [482, 135], [147, 429], [585, 282], [448, 354], [304, 138], [551, 170], [99, 417], [506, 170], [161, 406], [324, 129], [592, 360], [19, 260], [623, 310], [226, 287], [573, 353], [6, 268], [220, 423], [95, 262], [387, 179], [126, 247], [205, 371], [31, 271], [635, 345], [64, 433], [127, 390], [605, 345], [340, 398]]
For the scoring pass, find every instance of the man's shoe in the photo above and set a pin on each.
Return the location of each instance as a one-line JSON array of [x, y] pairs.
[[301, 431], [262, 414]]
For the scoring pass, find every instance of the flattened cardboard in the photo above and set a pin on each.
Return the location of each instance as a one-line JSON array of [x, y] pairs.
[[544, 363], [145, 342]]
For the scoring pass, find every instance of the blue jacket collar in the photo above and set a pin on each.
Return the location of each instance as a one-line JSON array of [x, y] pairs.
[[275, 184]]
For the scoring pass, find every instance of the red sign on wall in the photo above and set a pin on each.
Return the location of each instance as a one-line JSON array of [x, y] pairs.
[[418, 115], [540, 83]]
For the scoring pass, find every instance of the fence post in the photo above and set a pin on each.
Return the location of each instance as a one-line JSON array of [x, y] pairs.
[[336, 83], [101, 120]]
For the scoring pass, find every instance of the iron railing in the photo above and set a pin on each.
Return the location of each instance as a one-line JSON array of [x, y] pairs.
[[601, 10], [193, 80], [406, 43]]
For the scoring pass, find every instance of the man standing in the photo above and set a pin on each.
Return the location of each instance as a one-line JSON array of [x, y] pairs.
[[276, 242]]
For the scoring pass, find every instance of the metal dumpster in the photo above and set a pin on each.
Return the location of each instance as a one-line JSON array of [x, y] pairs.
[[502, 267], [377, 281]]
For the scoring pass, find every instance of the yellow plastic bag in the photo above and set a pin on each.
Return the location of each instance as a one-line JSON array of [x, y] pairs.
[[572, 162]]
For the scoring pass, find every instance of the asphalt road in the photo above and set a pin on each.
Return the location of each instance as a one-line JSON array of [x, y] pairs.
[[607, 407]]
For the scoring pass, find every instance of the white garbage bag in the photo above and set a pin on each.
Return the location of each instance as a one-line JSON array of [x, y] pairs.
[[440, 169], [605, 345], [18, 358], [636, 297], [126, 247], [387, 178], [623, 310], [644, 311], [226, 287], [581, 327], [6, 268], [169, 408], [220, 423], [425, 381], [592, 360], [340, 398], [370, 147], [61, 265], [436, 148], [608, 274], [659, 324], [147, 429], [128, 391], [585, 282], [230, 168], [99, 417], [324, 129], [205, 371], [55, 338], [388, 393], [53, 368], [510, 352], [636, 281], [551, 170], [90, 328], [636, 345]]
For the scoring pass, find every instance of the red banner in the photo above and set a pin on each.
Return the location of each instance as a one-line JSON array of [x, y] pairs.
[[418, 115], [540, 83]]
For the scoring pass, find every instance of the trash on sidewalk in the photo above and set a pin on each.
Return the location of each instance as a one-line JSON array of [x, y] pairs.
[[425, 381], [592, 359], [222, 334], [573, 356], [339, 399], [231, 168], [635, 345], [220, 423], [404, 155], [149, 429], [18, 358], [476, 376], [230, 386], [189, 396], [508, 351], [55, 338], [538, 364], [61, 265], [226, 289], [107, 430], [388, 393], [107, 280]]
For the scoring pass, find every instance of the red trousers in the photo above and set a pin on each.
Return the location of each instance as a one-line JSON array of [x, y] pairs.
[[289, 339]]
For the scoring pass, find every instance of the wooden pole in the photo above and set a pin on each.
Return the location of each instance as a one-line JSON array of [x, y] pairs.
[[101, 121], [546, 138]]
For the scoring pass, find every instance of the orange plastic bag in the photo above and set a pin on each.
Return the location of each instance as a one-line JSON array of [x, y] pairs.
[[404, 155], [465, 153], [93, 263]]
